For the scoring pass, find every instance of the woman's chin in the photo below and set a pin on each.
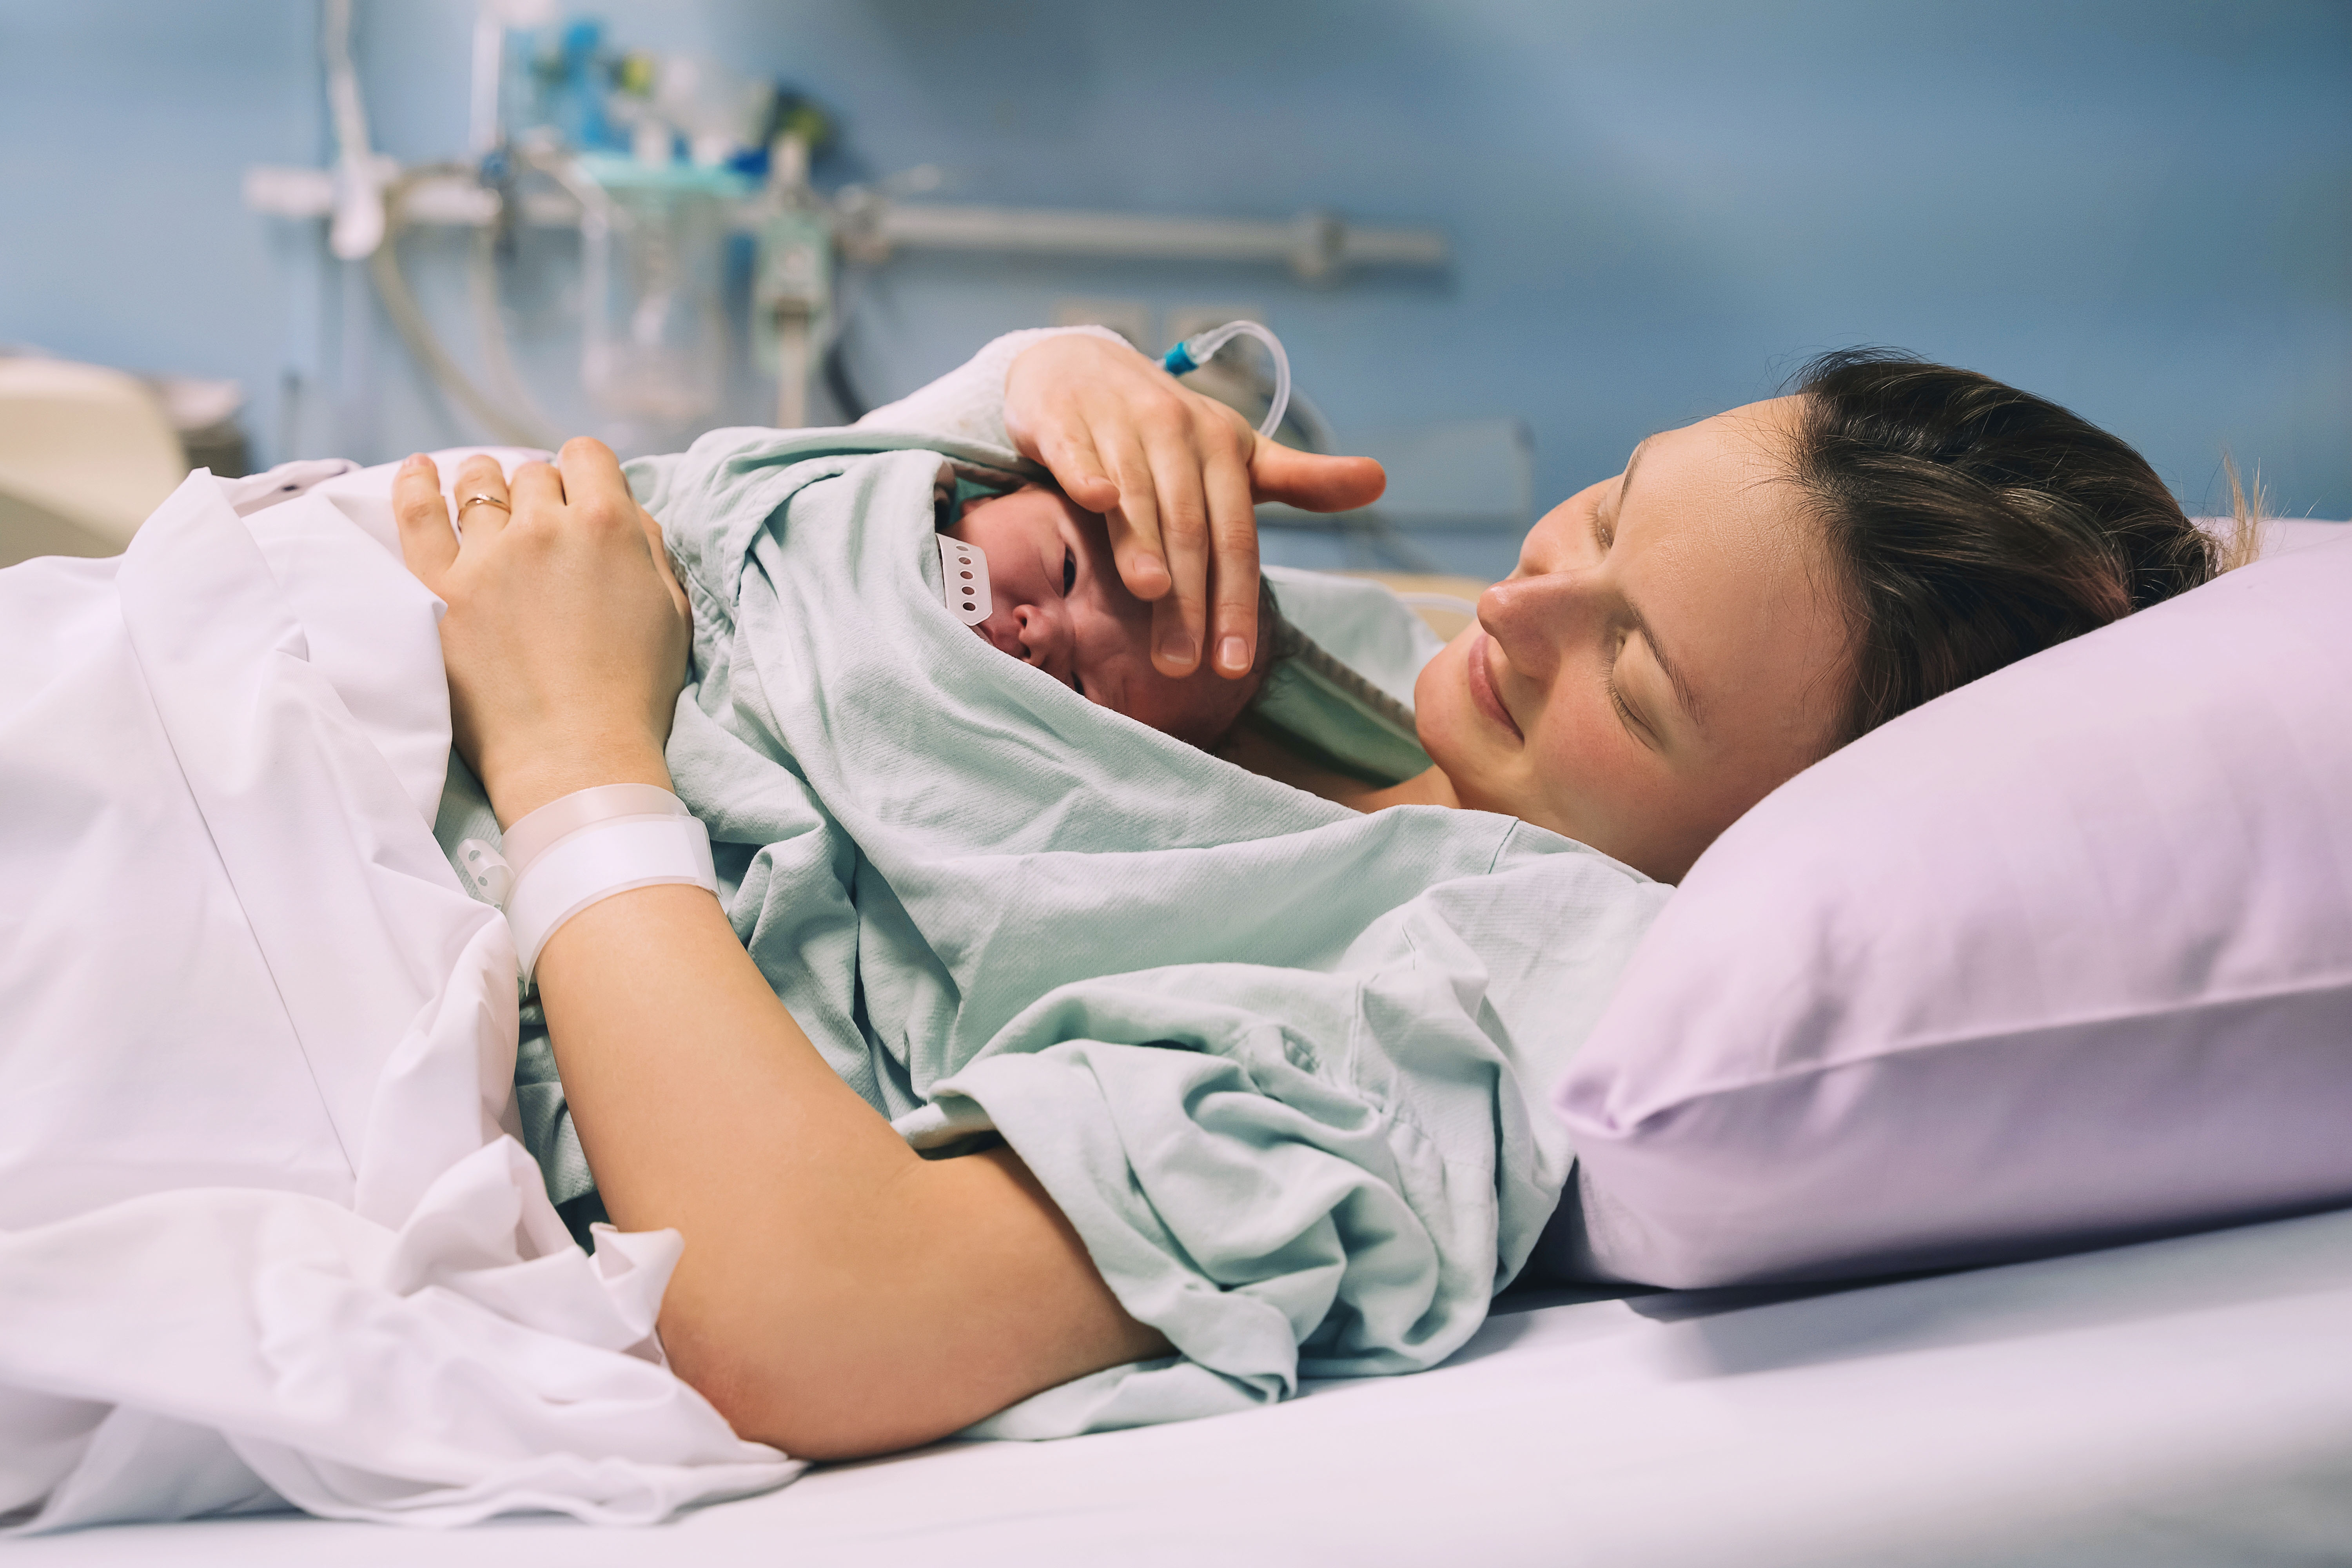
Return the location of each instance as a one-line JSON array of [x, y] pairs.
[[1482, 777], [1474, 785]]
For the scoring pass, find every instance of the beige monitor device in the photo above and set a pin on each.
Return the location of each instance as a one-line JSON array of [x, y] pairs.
[[85, 452]]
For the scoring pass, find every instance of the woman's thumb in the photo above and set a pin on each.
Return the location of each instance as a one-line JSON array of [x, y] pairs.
[[1312, 481]]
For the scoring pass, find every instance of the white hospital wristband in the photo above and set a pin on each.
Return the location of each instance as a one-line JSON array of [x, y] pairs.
[[585, 848]]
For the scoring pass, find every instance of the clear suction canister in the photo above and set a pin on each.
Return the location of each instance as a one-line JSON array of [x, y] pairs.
[[653, 270]]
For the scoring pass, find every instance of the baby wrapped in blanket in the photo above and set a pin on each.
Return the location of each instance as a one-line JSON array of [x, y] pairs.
[[1278, 1063], [1049, 593], [1037, 581]]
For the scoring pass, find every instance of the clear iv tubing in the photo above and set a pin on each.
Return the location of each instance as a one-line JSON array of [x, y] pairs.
[[1197, 350]]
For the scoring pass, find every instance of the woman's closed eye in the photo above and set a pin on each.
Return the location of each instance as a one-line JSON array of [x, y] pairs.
[[1635, 725], [1617, 701]]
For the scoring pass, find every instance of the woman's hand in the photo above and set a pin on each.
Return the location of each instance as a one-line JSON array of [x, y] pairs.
[[566, 633], [1177, 474]]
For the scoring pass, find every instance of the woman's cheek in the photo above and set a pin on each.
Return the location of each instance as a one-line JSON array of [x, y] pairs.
[[1581, 766], [1440, 700]]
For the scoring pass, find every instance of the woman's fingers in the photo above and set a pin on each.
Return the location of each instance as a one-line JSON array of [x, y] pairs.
[[426, 543], [483, 504], [1134, 516], [589, 471], [1314, 482], [1135, 547], [1179, 620], [536, 488], [1174, 473], [1070, 457], [593, 480], [1234, 630], [598, 492]]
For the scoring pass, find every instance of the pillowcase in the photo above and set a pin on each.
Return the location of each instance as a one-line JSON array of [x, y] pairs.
[[2061, 958]]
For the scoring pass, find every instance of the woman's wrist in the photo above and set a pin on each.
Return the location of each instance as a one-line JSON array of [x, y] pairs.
[[521, 786]]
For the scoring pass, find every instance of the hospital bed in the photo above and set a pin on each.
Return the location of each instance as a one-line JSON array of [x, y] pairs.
[[2181, 1401], [2186, 1402]]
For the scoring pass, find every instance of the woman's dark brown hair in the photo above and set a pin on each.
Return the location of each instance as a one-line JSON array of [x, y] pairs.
[[1975, 524]]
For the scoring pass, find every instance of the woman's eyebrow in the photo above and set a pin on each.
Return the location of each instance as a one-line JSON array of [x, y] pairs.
[[1631, 463], [1685, 697]]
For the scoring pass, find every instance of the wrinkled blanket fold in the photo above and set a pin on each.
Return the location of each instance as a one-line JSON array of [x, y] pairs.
[[265, 1239]]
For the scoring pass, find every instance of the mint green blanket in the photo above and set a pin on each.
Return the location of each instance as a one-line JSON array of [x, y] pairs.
[[1282, 1065]]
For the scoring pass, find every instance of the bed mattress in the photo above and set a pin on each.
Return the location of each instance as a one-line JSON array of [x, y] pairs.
[[2183, 1402]]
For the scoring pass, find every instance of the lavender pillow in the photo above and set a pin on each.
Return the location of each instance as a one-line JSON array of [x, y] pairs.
[[2061, 958]]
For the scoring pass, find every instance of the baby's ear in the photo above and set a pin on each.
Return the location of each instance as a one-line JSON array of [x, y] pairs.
[[971, 501]]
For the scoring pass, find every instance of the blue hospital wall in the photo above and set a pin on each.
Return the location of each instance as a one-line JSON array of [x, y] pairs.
[[2139, 207]]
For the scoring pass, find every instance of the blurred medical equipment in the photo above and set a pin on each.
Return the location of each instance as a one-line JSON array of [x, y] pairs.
[[87, 452], [653, 258], [659, 163]]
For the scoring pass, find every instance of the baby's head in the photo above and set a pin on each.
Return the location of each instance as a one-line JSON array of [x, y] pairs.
[[1059, 604]]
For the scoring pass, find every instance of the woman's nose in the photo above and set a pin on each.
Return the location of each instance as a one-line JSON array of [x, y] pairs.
[[1535, 617]]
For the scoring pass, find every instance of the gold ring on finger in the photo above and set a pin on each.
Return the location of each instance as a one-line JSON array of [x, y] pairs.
[[484, 500]]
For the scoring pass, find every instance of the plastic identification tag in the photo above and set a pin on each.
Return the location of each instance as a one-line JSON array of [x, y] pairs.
[[963, 580], [581, 849]]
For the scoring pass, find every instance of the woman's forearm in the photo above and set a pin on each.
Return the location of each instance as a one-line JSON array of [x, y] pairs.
[[838, 1294]]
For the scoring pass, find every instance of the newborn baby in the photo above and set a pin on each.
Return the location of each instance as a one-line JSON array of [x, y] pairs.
[[1058, 604]]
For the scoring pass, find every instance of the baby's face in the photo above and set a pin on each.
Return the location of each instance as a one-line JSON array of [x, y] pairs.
[[1058, 604]]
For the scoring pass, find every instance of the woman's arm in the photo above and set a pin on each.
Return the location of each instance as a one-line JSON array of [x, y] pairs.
[[838, 1294]]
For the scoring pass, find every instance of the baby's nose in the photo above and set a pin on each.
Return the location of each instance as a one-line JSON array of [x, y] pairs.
[[1039, 638], [1002, 630]]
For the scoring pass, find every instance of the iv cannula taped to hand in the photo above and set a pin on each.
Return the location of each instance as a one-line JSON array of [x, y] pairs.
[[1196, 351]]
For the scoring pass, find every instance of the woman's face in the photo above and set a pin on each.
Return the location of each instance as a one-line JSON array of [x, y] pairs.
[[1671, 648]]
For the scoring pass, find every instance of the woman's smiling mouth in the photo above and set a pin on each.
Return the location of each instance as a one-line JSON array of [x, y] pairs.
[[1482, 689]]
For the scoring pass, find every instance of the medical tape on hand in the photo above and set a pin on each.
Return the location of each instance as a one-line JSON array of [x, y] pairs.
[[586, 847]]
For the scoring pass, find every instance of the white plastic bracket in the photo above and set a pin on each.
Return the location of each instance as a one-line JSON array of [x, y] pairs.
[[488, 875]]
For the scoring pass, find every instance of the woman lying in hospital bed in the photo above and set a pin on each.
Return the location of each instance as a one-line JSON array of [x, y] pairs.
[[1345, 1162], [1265, 1070]]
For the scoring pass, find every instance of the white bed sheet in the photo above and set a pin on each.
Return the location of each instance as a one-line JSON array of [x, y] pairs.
[[2186, 1402]]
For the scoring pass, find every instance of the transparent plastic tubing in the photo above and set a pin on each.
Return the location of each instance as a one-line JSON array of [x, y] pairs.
[[1197, 350]]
